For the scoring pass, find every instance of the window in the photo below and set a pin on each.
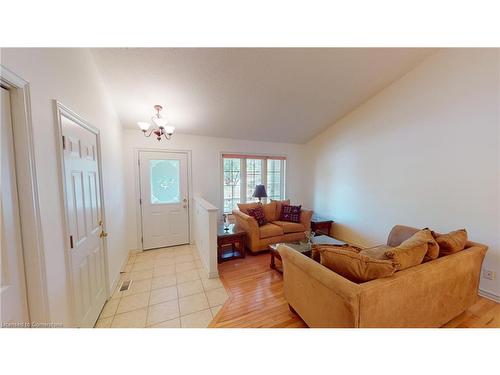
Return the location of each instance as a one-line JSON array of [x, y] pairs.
[[232, 183], [274, 185], [253, 177], [164, 176], [243, 172]]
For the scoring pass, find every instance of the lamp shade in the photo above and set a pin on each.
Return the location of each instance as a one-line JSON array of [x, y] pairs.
[[260, 191], [169, 129], [143, 125]]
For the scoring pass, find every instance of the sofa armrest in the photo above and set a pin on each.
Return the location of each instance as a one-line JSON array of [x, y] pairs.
[[248, 224], [305, 218], [321, 297]]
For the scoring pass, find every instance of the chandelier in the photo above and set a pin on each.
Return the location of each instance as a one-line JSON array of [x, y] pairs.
[[160, 127]]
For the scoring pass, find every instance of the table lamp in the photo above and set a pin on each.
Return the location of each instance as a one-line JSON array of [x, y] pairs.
[[260, 192]]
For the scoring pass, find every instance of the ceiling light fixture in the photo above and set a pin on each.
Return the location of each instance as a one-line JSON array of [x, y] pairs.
[[161, 128]]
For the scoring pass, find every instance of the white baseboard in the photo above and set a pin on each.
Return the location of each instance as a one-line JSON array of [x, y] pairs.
[[489, 295], [213, 275]]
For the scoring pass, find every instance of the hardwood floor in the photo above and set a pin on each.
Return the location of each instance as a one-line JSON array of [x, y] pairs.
[[256, 296], [257, 300]]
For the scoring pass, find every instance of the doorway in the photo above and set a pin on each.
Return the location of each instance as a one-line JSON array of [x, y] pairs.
[[164, 198], [19, 170], [13, 291]]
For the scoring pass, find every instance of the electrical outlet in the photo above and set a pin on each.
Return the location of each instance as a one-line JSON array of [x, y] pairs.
[[488, 274]]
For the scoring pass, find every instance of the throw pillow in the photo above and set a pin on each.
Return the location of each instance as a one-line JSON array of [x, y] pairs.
[[290, 213], [270, 211], [316, 248], [279, 204], [452, 242], [410, 253], [433, 248], [258, 214], [376, 252], [354, 266], [244, 207]]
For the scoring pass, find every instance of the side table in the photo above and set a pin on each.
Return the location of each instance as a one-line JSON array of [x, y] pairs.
[[321, 226], [230, 243]]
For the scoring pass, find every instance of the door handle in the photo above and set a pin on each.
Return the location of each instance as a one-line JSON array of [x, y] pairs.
[[184, 200], [103, 234], [184, 206]]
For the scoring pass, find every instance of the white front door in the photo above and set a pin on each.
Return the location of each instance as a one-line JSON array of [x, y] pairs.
[[13, 300], [83, 212], [164, 199]]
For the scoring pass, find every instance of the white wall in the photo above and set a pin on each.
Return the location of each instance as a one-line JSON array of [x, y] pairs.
[[206, 165], [70, 76], [423, 152], [205, 234]]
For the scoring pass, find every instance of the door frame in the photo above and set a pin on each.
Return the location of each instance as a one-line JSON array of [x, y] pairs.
[[59, 111], [138, 209], [27, 190]]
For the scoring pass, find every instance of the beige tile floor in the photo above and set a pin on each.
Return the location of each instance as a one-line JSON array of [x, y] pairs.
[[169, 289]]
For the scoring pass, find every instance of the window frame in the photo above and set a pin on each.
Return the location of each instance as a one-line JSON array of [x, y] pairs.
[[243, 174]]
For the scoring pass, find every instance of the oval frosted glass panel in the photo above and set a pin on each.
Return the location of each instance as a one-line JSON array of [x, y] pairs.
[[165, 181]]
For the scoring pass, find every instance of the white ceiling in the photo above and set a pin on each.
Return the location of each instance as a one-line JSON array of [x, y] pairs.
[[273, 94]]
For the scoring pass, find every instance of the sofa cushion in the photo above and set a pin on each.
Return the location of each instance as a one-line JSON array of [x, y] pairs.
[[316, 248], [354, 266], [376, 252], [410, 253], [270, 211], [433, 248], [289, 227], [279, 204], [452, 242], [290, 213], [258, 214], [400, 233], [244, 207], [270, 230]]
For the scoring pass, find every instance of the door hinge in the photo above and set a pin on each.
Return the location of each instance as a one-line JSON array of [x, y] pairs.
[[140, 200], [71, 242], [64, 142], [142, 240]]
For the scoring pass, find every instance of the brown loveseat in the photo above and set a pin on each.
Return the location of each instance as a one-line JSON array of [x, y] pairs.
[[275, 231], [426, 295]]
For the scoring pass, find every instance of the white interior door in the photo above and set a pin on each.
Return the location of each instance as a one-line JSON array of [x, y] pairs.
[[13, 300], [164, 199], [83, 206]]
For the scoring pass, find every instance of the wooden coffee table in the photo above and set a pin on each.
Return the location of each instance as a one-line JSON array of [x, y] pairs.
[[300, 247], [230, 243]]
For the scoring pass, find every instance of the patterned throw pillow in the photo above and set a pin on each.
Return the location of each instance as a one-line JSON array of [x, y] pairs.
[[258, 214], [290, 213]]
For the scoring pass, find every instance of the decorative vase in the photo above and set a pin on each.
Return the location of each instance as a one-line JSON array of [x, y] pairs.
[[225, 219]]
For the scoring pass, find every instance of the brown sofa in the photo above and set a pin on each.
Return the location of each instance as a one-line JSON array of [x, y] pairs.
[[275, 231], [427, 295]]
